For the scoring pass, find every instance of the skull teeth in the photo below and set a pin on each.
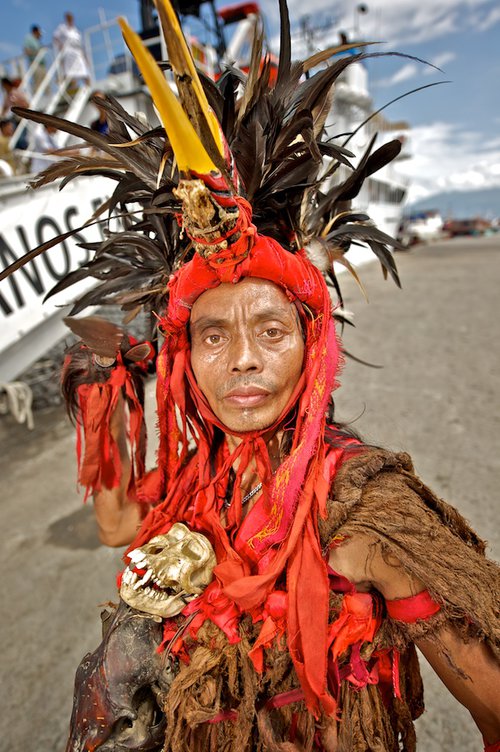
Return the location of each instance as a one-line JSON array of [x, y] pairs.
[[137, 556], [129, 576], [143, 581]]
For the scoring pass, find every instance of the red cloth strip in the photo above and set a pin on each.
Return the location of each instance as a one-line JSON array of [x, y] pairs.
[[395, 673], [410, 610], [284, 698], [278, 701], [224, 715]]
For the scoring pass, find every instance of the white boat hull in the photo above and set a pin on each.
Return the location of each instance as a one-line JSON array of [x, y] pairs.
[[28, 326]]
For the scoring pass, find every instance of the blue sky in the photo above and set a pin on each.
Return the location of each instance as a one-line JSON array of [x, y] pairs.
[[455, 136]]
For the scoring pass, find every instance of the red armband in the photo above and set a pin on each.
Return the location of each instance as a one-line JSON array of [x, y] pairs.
[[410, 610], [495, 747]]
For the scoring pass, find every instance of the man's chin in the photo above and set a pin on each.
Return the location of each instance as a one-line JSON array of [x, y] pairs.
[[247, 420]]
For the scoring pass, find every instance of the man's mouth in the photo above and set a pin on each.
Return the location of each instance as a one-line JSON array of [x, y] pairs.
[[246, 396]]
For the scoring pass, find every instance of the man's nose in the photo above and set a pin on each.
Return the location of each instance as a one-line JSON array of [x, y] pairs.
[[244, 355]]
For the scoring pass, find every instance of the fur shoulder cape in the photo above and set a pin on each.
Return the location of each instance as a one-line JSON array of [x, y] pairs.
[[378, 494]]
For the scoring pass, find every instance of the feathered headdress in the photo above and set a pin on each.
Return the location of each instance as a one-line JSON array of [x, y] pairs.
[[242, 136]]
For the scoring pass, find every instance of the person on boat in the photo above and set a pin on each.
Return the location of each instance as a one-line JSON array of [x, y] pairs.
[[31, 47], [331, 560], [68, 41], [100, 124], [45, 143], [14, 96]]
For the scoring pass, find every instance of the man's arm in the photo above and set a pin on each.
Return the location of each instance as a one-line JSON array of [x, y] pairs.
[[468, 669], [118, 518], [478, 689]]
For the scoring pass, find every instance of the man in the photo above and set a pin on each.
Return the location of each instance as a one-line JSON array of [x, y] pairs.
[[247, 374], [32, 46], [100, 124], [328, 559], [68, 41], [45, 143]]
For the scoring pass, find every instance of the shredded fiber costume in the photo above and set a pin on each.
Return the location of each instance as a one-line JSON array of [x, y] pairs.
[[262, 645]]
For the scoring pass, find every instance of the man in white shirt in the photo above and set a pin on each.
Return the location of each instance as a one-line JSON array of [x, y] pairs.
[[45, 142], [68, 39]]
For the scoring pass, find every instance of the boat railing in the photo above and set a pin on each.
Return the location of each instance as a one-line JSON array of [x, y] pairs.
[[109, 56], [53, 95], [38, 64], [56, 93], [105, 50], [241, 41]]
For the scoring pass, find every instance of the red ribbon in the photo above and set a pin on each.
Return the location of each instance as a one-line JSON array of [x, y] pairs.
[[410, 610], [217, 607], [286, 536]]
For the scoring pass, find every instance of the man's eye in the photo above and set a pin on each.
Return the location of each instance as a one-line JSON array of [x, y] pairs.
[[213, 339], [273, 333]]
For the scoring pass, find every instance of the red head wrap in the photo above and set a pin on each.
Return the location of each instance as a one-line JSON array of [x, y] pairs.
[[286, 536]]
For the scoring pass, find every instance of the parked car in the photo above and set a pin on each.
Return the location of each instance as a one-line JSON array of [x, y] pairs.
[[421, 227], [475, 226]]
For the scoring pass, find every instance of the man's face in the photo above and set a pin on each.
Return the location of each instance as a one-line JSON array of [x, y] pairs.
[[247, 352]]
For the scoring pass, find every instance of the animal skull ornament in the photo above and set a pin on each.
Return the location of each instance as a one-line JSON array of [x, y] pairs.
[[118, 688], [168, 572]]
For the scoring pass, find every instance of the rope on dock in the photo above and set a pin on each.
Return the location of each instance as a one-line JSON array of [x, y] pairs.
[[16, 397]]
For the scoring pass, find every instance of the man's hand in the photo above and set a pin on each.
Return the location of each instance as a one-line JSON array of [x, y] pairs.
[[102, 382]]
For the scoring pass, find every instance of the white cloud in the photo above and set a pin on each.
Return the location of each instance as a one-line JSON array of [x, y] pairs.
[[447, 158], [439, 61], [407, 71], [404, 21], [412, 70], [492, 143], [489, 20]]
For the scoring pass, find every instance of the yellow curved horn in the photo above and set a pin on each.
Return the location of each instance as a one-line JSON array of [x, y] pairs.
[[187, 147], [183, 66]]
